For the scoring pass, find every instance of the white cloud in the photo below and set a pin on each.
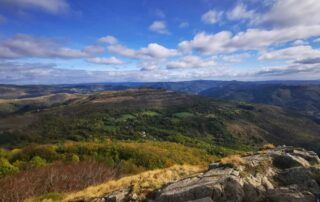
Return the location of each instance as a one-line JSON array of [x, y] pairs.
[[108, 40], [315, 60], [240, 12], [211, 17], [206, 43], [153, 50], [189, 62], [122, 50], [236, 57], [251, 39], [159, 27], [295, 71], [50, 74], [49, 6], [291, 53], [21, 46], [94, 49], [151, 65], [286, 13], [106, 61]]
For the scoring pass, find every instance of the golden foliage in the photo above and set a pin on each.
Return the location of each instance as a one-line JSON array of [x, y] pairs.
[[267, 147], [142, 183], [233, 161]]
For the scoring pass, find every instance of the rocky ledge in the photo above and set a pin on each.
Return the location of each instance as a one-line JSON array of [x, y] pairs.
[[281, 174]]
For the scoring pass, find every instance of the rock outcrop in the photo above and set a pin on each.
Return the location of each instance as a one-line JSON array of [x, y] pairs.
[[282, 174]]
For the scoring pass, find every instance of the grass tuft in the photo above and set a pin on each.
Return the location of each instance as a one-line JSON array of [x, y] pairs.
[[233, 161]]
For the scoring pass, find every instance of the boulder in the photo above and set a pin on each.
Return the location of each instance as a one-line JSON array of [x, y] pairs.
[[282, 174]]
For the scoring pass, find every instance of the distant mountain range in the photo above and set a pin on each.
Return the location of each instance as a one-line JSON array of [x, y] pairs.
[[298, 96]]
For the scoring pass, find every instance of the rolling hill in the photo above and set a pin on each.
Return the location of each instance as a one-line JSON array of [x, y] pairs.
[[304, 99], [147, 114]]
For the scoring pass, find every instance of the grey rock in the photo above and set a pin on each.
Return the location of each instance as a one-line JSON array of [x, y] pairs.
[[290, 176]]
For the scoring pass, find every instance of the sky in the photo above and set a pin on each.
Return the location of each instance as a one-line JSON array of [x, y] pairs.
[[86, 41]]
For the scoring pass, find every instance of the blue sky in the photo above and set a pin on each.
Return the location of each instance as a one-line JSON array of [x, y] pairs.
[[76, 41]]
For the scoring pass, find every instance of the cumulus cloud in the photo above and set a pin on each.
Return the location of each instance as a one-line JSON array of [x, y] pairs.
[[294, 69], [291, 13], [94, 49], [309, 61], [211, 17], [49, 6], [159, 27], [29, 73], [292, 53], [108, 40], [153, 50], [122, 50], [236, 57], [20, 46], [188, 62], [240, 12], [105, 61], [251, 39], [151, 65]]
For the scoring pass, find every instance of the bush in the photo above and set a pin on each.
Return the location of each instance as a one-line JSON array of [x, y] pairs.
[[6, 167], [75, 158], [37, 161]]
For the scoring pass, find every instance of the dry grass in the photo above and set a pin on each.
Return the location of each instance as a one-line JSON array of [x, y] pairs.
[[141, 184], [267, 147], [233, 161], [58, 177]]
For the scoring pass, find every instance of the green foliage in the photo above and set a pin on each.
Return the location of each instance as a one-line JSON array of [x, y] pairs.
[[6, 167], [3, 153], [37, 161], [149, 113], [53, 196], [183, 115], [75, 158], [128, 156]]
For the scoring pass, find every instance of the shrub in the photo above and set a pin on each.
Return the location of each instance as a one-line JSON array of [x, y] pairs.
[[233, 161], [267, 147], [7, 168], [75, 158], [129, 167], [37, 161]]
